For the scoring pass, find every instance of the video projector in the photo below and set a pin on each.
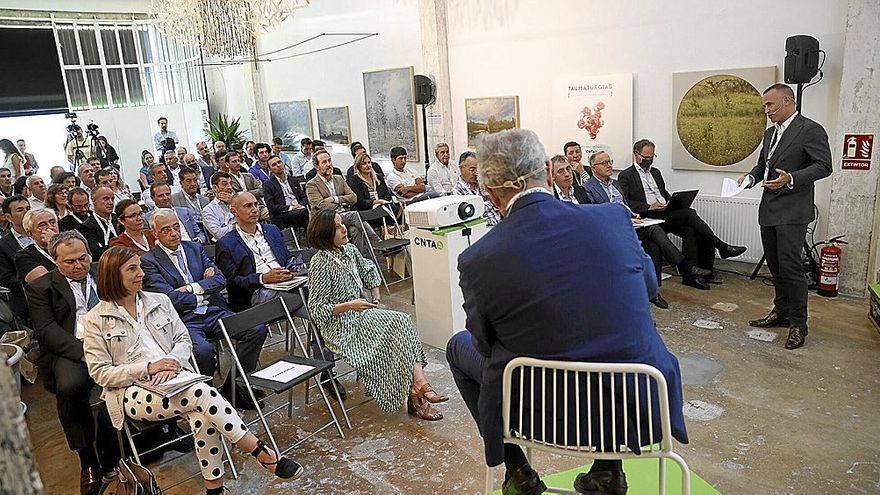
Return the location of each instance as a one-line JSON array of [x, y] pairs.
[[443, 211]]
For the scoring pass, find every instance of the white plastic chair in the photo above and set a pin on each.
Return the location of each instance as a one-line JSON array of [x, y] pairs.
[[566, 374]]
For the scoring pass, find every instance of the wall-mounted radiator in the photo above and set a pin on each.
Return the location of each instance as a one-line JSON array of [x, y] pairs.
[[734, 220]]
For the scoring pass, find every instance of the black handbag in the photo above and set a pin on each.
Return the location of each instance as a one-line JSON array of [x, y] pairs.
[[132, 479]]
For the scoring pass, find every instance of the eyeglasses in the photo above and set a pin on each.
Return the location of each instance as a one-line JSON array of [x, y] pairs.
[[647, 157], [85, 259], [169, 228], [134, 215], [604, 162]]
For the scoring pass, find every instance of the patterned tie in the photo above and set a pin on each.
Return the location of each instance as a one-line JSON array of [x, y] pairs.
[[180, 263]]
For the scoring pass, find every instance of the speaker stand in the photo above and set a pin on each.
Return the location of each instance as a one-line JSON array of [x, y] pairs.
[[425, 136]]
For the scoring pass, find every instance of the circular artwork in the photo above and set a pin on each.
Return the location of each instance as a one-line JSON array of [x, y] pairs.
[[720, 120]]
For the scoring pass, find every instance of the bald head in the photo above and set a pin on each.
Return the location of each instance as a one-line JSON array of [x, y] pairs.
[[246, 210]]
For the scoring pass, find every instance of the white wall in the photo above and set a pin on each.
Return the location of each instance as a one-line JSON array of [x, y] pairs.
[[517, 47], [329, 78]]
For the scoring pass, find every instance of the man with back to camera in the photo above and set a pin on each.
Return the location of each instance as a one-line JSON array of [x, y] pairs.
[[580, 172], [794, 155], [510, 311], [646, 194], [442, 176], [163, 134]]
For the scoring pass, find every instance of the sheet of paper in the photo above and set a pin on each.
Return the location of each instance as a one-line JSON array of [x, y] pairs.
[[289, 285], [648, 222], [730, 188], [283, 371]]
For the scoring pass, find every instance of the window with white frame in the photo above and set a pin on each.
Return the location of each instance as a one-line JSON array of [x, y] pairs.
[[121, 64]]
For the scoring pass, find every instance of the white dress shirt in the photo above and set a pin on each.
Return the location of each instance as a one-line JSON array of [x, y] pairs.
[[652, 191], [264, 258], [780, 130], [442, 178]]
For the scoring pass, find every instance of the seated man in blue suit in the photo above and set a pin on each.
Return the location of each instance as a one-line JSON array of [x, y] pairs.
[[162, 198], [601, 188], [527, 311], [252, 255], [182, 271]]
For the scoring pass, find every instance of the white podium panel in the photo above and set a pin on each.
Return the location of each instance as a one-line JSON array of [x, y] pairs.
[[439, 311]]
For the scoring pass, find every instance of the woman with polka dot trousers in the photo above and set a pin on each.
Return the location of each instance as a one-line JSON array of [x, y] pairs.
[[132, 336]]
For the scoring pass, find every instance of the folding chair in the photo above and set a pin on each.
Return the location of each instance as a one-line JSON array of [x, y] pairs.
[[389, 246], [539, 381], [275, 310], [290, 237]]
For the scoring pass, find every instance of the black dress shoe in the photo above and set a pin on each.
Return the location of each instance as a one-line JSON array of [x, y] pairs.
[[773, 319], [695, 282], [90, 481], [329, 389], [728, 251], [797, 336], [523, 481], [601, 483], [183, 445], [697, 272], [660, 302]]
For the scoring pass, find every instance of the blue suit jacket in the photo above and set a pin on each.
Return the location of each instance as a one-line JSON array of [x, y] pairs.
[[161, 275], [192, 226], [238, 265], [528, 311], [597, 193]]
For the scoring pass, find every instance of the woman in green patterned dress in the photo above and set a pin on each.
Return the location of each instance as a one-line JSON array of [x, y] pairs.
[[382, 345]]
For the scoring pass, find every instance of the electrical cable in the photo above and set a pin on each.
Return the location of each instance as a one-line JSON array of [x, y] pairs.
[[821, 74], [258, 58]]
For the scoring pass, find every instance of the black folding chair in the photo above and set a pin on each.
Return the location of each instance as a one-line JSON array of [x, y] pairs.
[[387, 247], [272, 311]]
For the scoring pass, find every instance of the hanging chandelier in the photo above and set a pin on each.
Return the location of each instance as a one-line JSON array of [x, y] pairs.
[[222, 28]]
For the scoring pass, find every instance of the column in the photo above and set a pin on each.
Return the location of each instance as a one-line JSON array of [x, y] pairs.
[[435, 63]]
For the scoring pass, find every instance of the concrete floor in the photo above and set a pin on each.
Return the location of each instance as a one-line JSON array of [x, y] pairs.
[[761, 419]]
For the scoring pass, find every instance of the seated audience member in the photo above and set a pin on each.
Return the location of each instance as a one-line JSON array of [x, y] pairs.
[[382, 345], [370, 187], [182, 271], [646, 193], [302, 160], [284, 196], [191, 230], [564, 187], [572, 152], [68, 179], [181, 152], [404, 183], [601, 188], [172, 167], [57, 302], [189, 196], [242, 181], [86, 174], [356, 149], [204, 166], [153, 344], [103, 178], [131, 223], [13, 241], [191, 163], [509, 312], [55, 172], [277, 147], [34, 261], [217, 218], [99, 228], [328, 191], [120, 189], [246, 152], [6, 182], [468, 185], [56, 200], [78, 202], [442, 175], [317, 145], [219, 146], [204, 154], [260, 168], [159, 174], [37, 188], [144, 177]]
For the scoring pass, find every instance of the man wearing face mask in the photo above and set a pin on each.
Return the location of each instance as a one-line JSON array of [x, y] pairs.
[[646, 194]]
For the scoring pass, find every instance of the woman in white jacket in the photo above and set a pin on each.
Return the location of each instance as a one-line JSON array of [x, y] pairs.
[[133, 337]]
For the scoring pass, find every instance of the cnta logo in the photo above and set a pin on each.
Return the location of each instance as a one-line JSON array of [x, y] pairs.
[[428, 243]]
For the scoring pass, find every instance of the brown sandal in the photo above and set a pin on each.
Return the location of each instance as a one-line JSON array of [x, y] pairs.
[[421, 407], [426, 389]]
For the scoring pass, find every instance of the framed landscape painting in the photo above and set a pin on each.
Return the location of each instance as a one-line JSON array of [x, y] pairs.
[[490, 115], [391, 117], [334, 126], [291, 121]]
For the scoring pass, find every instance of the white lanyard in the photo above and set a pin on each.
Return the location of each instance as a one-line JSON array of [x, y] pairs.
[[44, 253], [348, 268], [107, 231], [136, 243]]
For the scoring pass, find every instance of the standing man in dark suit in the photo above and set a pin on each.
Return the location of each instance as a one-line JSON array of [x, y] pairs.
[[57, 301], [794, 155], [646, 194], [100, 227], [182, 271], [284, 195], [527, 311]]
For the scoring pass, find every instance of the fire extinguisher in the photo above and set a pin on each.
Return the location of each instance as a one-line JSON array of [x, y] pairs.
[[829, 266]]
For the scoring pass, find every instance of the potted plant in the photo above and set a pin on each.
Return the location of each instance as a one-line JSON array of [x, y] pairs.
[[226, 130]]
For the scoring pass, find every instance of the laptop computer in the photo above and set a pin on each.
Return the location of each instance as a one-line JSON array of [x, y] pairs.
[[681, 199]]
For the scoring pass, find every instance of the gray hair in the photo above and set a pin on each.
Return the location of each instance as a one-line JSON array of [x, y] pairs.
[[440, 145], [6, 169], [161, 213], [170, 153], [64, 238], [593, 156], [558, 159], [33, 178], [28, 220], [509, 160]]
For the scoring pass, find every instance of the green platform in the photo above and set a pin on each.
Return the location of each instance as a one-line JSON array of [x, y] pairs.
[[641, 475]]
